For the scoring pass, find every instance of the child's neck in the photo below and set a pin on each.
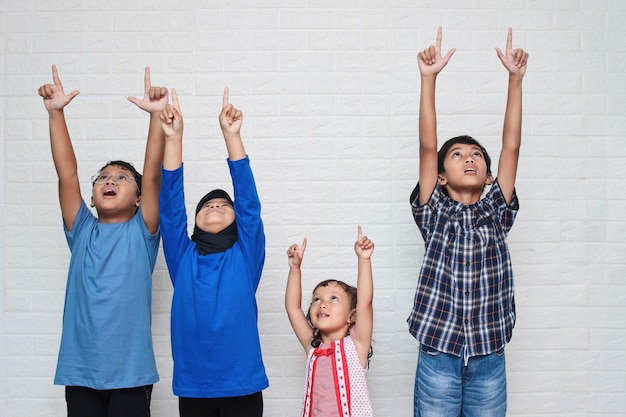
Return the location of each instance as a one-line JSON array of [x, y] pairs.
[[466, 197], [334, 336], [115, 217]]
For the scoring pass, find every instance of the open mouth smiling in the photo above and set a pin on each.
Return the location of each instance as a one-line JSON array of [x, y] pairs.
[[109, 192]]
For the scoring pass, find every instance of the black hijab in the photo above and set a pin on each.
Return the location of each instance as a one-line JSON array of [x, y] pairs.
[[208, 243]]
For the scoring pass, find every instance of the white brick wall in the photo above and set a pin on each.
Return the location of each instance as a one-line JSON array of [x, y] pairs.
[[329, 90]]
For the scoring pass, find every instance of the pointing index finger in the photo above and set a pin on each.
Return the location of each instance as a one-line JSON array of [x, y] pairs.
[[55, 77], [438, 42], [146, 79], [360, 233], [509, 40], [175, 99], [225, 99]]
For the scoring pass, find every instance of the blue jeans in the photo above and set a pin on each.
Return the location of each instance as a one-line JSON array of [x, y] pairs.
[[445, 387]]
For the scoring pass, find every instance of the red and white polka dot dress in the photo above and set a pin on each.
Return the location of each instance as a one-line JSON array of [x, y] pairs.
[[347, 376]]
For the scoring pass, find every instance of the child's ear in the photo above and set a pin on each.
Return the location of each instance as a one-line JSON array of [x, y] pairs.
[[442, 180], [489, 180], [352, 318], [92, 204], [138, 200]]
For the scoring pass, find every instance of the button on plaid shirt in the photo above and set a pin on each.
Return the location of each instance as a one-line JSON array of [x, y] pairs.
[[464, 296]]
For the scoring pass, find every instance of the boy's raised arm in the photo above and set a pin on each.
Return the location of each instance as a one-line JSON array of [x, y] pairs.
[[55, 100], [514, 60], [430, 63], [154, 101]]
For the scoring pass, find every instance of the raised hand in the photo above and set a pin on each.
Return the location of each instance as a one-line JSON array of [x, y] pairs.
[[295, 254], [171, 117], [54, 98], [230, 117], [363, 246], [514, 60], [154, 98], [430, 61]]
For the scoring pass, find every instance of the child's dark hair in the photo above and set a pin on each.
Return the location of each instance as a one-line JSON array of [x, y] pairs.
[[465, 140], [126, 165], [351, 291]]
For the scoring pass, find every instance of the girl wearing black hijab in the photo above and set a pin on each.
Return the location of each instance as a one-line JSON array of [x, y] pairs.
[[218, 367]]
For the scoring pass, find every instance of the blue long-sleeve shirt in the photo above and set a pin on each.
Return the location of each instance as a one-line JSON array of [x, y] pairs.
[[215, 338]]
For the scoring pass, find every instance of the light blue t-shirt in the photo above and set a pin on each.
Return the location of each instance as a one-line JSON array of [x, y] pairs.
[[107, 338]]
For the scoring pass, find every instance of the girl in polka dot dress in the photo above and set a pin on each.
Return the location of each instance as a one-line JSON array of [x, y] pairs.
[[336, 332]]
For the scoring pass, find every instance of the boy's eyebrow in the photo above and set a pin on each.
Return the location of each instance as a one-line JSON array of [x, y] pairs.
[[457, 147]]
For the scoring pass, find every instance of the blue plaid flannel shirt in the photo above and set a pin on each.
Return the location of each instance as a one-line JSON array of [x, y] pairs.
[[465, 295]]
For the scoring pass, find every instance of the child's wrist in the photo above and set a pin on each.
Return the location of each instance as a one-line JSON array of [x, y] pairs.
[[231, 136], [176, 136], [56, 115]]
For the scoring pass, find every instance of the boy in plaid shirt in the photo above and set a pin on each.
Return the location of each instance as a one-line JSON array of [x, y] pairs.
[[464, 309]]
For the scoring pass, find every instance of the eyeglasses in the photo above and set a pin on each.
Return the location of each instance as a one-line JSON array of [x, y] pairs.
[[120, 178], [219, 204]]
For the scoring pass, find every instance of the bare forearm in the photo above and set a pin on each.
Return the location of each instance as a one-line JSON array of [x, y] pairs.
[[511, 139], [427, 139], [427, 114], [173, 157], [234, 146], [365, 283], [512, 130], [293, 292], [151, 184], [62, 150], [155, 147]]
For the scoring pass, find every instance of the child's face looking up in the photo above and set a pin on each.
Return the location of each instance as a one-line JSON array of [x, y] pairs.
[[331, 311], [465, 169], [115, 192], [215, 215]]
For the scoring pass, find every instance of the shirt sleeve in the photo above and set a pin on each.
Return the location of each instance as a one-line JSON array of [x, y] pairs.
[[425, 215], [251, 234], [84, 218], [173, 217], [506, 213]]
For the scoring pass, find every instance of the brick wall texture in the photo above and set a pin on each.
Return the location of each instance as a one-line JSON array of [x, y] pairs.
[[329, 91]]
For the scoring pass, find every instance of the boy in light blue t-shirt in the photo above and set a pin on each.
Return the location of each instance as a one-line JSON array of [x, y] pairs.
[[106, 359]]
